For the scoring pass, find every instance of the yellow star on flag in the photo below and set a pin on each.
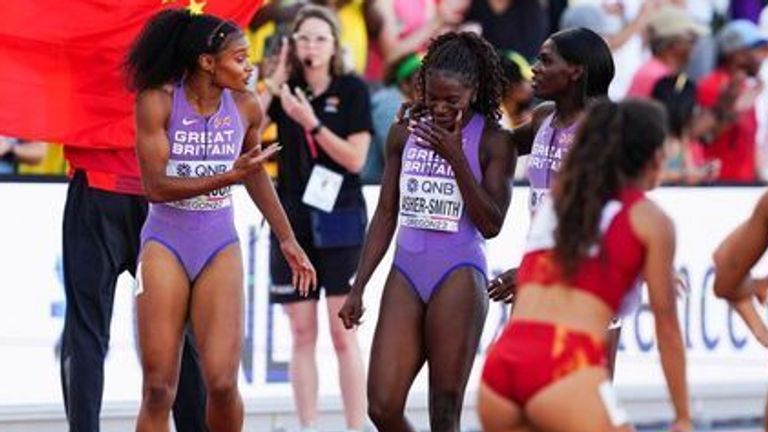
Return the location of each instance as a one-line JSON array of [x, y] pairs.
[[196, 8]]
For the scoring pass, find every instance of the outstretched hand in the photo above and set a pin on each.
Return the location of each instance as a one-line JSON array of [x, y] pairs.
[[253, 159]]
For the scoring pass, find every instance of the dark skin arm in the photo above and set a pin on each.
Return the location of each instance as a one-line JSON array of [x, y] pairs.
[[734, 258], [522, 137], [382, 227], [153, 109], [486, 203], [504, 286], [261, 191]]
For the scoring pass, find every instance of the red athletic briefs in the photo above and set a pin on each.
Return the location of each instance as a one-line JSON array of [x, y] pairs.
[[530, 355]]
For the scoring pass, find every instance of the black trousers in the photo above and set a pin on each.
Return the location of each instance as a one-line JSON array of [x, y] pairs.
[[101, 241]]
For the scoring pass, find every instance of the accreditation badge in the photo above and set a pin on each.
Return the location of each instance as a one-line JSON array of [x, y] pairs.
[[322, 189]]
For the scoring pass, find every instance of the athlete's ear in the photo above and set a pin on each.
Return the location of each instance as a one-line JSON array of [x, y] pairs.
[[577, 72], [206, 62]]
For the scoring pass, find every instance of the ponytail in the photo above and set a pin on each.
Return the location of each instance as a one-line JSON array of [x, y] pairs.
[[614, 145]]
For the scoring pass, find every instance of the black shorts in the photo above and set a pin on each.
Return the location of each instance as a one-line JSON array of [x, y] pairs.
[[334, 266]]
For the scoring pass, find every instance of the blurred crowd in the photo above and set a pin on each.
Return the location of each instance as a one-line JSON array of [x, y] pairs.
[[703, 59]]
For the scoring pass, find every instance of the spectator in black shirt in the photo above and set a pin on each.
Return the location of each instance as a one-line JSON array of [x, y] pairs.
[[511, 25], [323, 118]]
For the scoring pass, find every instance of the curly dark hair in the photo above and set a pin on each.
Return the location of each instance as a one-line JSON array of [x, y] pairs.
[[614, 145], [473, 58], [170, 44]]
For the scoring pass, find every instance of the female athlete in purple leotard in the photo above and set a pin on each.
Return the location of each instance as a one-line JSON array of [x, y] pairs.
[[446, 184], [197, 135]]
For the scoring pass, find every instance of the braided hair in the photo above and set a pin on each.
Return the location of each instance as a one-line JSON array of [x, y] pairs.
[[614, 145], [170, 45], [473, 59]]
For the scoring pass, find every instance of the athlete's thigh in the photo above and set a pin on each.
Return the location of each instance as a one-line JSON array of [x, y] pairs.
[[454, 323], [216, 310], [397, 352], [499, 414], [161, 307], [575, 403]]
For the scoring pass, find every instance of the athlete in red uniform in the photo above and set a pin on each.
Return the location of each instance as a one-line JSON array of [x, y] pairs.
[[587, 247]]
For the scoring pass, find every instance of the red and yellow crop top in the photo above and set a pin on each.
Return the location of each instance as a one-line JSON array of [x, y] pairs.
[[613, 265]]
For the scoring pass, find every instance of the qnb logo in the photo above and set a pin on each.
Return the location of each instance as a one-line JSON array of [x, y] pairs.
[[413, 185], [183, 170], [210, 170]]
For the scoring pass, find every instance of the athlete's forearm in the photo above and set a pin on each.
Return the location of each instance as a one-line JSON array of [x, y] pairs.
[[479, 205], [380, 233], [262, 193], [731, 286], [672, 355], [164, 188]]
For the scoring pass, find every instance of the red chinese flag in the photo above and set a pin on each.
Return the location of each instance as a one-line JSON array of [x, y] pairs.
[[60, 66]]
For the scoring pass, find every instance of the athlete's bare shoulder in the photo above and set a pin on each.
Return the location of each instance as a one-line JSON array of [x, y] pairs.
[[154, 103], [249, 105]]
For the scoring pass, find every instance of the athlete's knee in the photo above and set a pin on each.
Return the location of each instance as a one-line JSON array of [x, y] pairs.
[[445, 410], [159, 394], [383, 409], [222, 388]]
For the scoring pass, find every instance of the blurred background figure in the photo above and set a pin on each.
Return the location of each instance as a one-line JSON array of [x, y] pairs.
[[14, 151], [517, 100], [731, 91], [385, 102], [671, 34], [685, 162], [405, 27], [511, 25]]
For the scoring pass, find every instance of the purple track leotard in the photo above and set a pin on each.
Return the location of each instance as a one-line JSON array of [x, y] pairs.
[[197, 228], [436, 235], [550, 146]]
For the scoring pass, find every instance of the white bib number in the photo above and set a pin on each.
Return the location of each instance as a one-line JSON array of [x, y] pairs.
[[213, 200], [432, 203]]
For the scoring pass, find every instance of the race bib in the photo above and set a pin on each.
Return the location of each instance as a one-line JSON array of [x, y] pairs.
[[213, 200], [535, 199], [432, 203]]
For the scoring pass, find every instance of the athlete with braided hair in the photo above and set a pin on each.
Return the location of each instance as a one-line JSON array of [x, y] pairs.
[[446, 184]]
